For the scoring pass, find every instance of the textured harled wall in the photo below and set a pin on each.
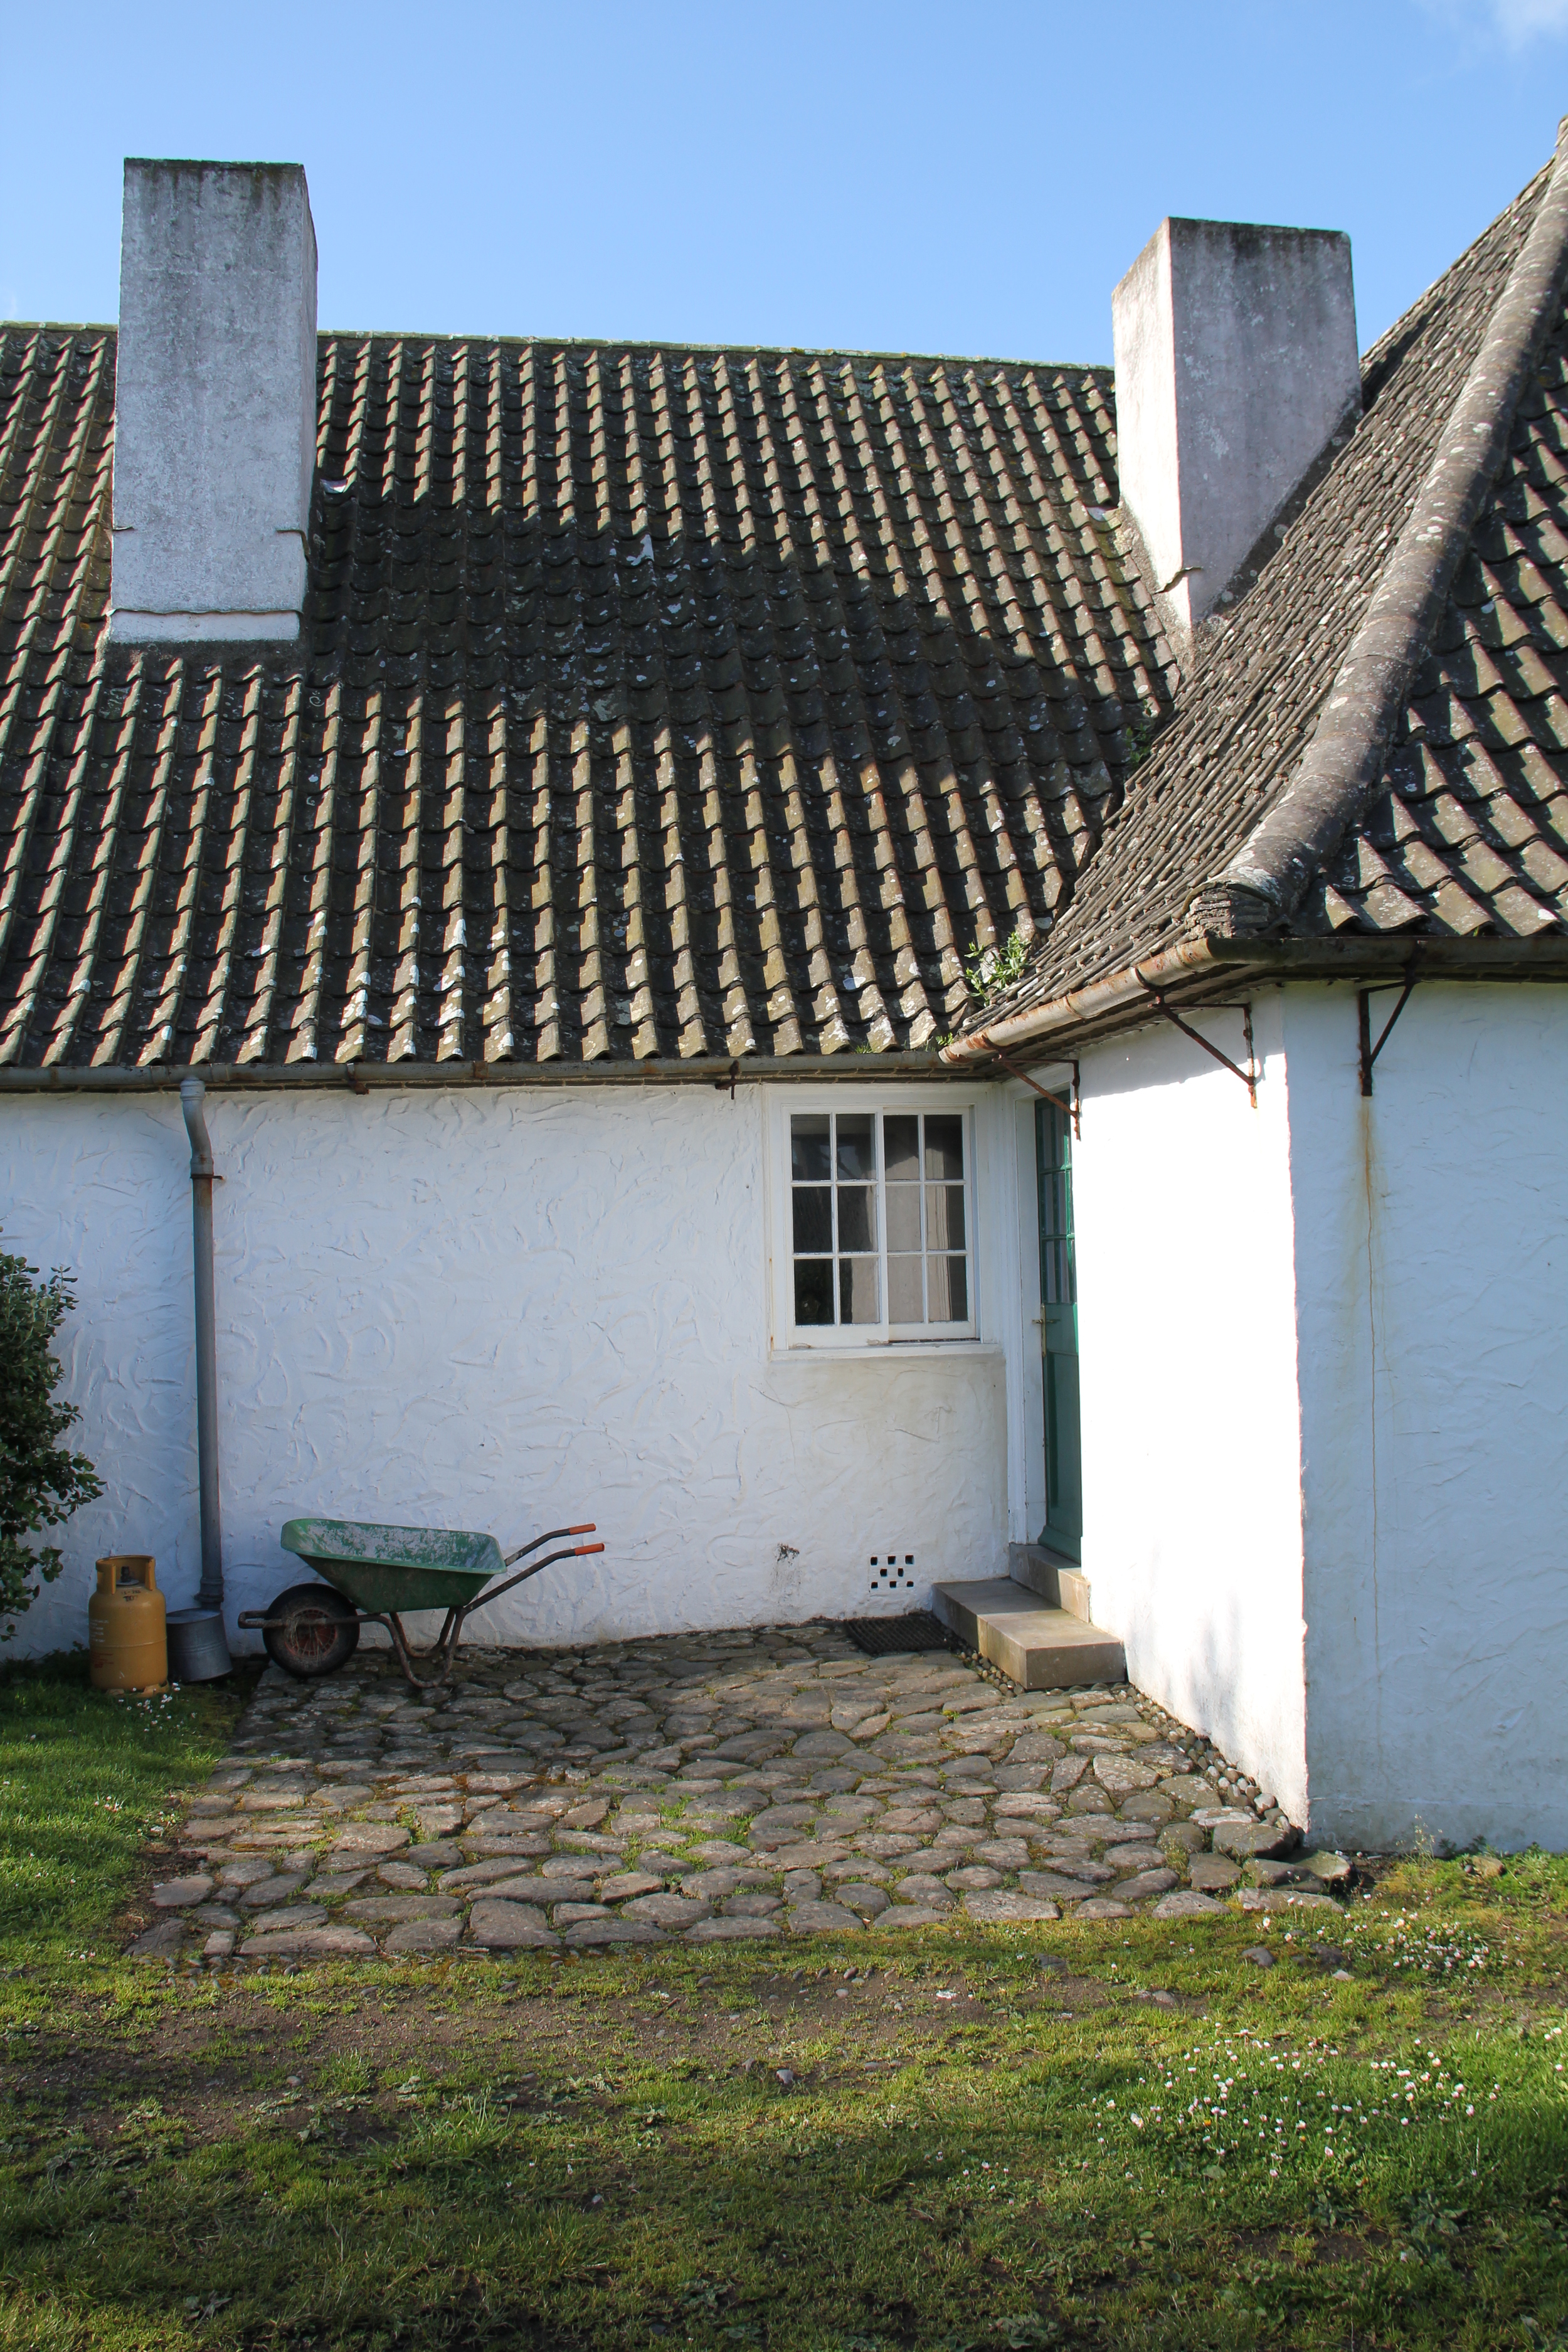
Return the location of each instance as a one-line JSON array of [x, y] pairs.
[[1432, 1268], [504, 1310], [215, 402], [1193, 1537]]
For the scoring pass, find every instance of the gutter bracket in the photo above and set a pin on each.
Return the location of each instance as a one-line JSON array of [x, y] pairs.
[[1369, 1052], [1250, 1075], [1073, 1109]]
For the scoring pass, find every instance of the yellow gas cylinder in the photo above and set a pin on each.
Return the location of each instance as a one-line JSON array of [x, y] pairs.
[[126, 1643]]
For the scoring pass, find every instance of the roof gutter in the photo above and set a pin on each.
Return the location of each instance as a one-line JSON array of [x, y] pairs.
[[723, 1072], [1199, 970], [1082, 1008]]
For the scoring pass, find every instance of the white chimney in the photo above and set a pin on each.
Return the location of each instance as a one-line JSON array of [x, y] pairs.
[[214, 408], [1236, 365]]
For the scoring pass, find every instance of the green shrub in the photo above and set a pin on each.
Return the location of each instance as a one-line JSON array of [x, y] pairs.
[[41, 1482]]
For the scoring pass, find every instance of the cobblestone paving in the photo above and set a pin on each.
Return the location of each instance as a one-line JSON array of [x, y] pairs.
[[763, 1783]]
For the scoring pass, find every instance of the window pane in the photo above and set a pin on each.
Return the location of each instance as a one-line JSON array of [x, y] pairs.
[[903, 1216], [948, 1278], [813, 1290], [857, 1151], [857, 1177], [809, 1162], [944, 1145], [901, 1147], [857, 1224], [858, 1290], [944, 1216], [904, 1301], [813, 1217]]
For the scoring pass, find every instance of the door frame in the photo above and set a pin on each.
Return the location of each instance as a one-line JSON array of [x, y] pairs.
[[1058, 1318]]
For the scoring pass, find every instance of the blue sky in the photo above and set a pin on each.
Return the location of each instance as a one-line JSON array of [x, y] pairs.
[[968, 178]]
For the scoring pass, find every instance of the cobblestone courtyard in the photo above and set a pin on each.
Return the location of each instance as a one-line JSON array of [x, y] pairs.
[[714, 1786]]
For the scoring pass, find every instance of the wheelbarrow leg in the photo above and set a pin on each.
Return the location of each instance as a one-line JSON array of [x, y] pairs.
[[440, 1653], [444, 1648]]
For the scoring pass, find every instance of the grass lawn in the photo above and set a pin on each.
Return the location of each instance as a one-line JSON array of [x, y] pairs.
[[1129, 2135]]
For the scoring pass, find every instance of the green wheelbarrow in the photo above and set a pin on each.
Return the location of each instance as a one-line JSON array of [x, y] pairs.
[[371, 1575]]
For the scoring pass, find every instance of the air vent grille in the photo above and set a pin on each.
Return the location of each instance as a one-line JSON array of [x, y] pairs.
[[893, 1571]]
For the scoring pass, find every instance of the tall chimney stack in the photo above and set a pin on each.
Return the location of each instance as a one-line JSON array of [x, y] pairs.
[[1236, 365], [214, 411]]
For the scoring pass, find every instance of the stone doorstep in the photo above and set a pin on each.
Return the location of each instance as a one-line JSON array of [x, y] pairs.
[[1059, 1583], [1037, 1646]]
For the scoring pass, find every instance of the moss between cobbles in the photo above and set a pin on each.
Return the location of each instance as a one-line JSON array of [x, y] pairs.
[[1123, 2135]]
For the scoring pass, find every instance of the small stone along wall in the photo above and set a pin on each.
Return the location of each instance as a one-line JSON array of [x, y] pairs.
[[708, 1787]]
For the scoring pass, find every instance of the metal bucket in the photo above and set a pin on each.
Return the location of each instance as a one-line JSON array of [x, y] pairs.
[[198, 1651]]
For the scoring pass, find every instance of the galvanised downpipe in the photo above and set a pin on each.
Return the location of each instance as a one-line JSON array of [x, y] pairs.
[[193, 1093]]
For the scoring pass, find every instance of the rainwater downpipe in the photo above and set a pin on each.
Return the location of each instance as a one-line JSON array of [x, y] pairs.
[[192, 1093]]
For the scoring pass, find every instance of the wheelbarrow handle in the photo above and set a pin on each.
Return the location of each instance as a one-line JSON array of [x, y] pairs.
[[588, 1529], [494, 1592]]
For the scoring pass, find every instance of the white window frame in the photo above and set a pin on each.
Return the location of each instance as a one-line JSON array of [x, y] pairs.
[[785, 1102]]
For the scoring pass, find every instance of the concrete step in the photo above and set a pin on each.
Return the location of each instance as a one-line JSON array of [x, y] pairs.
[[1059, 1584], [1041, 1648]]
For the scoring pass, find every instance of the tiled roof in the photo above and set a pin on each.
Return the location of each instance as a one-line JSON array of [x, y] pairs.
[[652, 705], [1465, 833]]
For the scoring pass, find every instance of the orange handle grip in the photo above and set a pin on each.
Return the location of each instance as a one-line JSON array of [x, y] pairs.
[[583, 1548], [588, 1529]]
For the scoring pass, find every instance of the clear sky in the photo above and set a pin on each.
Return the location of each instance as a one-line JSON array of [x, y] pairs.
[[885, 175]]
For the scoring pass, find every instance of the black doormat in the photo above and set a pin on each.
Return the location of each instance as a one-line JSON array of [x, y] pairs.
[[883, 1637]]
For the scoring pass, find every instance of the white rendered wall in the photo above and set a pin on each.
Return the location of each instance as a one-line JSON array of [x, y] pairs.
[[503, 1310], [1432, 1270], [1187, 1331]]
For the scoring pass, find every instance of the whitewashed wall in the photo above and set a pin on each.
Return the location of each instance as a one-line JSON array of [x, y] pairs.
[[1186, 1318], [1325, 1403], [1432, 1274], [503, 1310]]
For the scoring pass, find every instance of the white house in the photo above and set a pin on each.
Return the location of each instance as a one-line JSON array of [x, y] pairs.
[[548, 796]]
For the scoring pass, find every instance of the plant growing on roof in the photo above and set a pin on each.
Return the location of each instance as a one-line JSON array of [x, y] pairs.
[[1140, 733], [41, 1483], [990, 971]]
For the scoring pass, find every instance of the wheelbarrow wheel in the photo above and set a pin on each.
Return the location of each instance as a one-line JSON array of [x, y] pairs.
[[314, 1631]]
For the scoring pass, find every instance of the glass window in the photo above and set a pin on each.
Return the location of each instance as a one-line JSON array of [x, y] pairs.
[[879, 1221]]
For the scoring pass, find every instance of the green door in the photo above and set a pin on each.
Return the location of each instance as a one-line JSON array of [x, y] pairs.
[[1063, 1530]]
